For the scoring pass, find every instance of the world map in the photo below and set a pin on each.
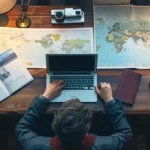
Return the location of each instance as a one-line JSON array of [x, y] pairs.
[[122, 36], [32, 45]]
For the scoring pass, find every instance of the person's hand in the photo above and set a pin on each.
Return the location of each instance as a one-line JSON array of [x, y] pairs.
[[54, 89], [104, 91]]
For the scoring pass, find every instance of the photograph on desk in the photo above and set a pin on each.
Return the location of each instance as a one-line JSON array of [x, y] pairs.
[[13, 74], [32, 45], [122, 35]]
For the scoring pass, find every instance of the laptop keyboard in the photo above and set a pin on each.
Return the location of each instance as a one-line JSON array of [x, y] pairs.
[[76, 82]]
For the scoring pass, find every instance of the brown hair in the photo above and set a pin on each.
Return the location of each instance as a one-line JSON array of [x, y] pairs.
[[71, 123]]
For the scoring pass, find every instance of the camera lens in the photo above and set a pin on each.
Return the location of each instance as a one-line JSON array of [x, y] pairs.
[[78, 12], [59, 16]]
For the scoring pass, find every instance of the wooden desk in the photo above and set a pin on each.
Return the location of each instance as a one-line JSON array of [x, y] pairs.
[[20, 101]]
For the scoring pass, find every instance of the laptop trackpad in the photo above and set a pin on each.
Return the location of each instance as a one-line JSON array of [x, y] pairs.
[[71, 95]]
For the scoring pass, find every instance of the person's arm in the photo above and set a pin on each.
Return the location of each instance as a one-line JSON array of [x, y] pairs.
[[122, 131], [120, 124], [26, 128]]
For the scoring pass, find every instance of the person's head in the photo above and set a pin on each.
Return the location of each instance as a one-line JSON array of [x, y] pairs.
[[71, 123]]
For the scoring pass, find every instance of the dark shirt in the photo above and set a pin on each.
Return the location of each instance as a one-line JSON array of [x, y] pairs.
[[26, 128]]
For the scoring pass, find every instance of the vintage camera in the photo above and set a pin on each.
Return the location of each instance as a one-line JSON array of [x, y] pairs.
[[67, 15]]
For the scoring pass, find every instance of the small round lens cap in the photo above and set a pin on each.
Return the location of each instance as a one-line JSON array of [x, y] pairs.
[[59, 15]]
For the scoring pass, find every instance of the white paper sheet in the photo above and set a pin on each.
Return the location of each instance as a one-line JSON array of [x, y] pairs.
[[32, 45]]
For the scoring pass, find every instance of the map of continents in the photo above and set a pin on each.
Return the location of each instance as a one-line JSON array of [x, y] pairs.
[[67, 46], [31, 45], [122, 36]]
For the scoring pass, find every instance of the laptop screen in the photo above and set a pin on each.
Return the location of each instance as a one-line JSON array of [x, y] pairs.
[[71, 62]]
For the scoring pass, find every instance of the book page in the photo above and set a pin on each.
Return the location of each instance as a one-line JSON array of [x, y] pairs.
[[111, 2], [14, 73], [3, 91]]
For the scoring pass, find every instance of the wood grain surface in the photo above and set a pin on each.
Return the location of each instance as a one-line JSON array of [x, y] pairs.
[[20, 101]]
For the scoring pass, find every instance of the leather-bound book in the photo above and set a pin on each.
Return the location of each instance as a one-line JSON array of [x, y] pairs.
[[128, 86]]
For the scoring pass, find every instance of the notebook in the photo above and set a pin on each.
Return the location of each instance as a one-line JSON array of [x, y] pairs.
[[128, 86], [79, 73]]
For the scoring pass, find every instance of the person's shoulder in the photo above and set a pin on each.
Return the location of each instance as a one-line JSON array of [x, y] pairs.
[[101, 143]]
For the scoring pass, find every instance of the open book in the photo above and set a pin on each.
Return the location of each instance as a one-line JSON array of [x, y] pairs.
[[13, 74]]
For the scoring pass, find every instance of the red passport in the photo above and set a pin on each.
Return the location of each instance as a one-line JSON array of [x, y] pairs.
[[128, 86]]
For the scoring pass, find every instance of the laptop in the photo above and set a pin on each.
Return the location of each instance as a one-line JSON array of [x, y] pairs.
[[79, 73]]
